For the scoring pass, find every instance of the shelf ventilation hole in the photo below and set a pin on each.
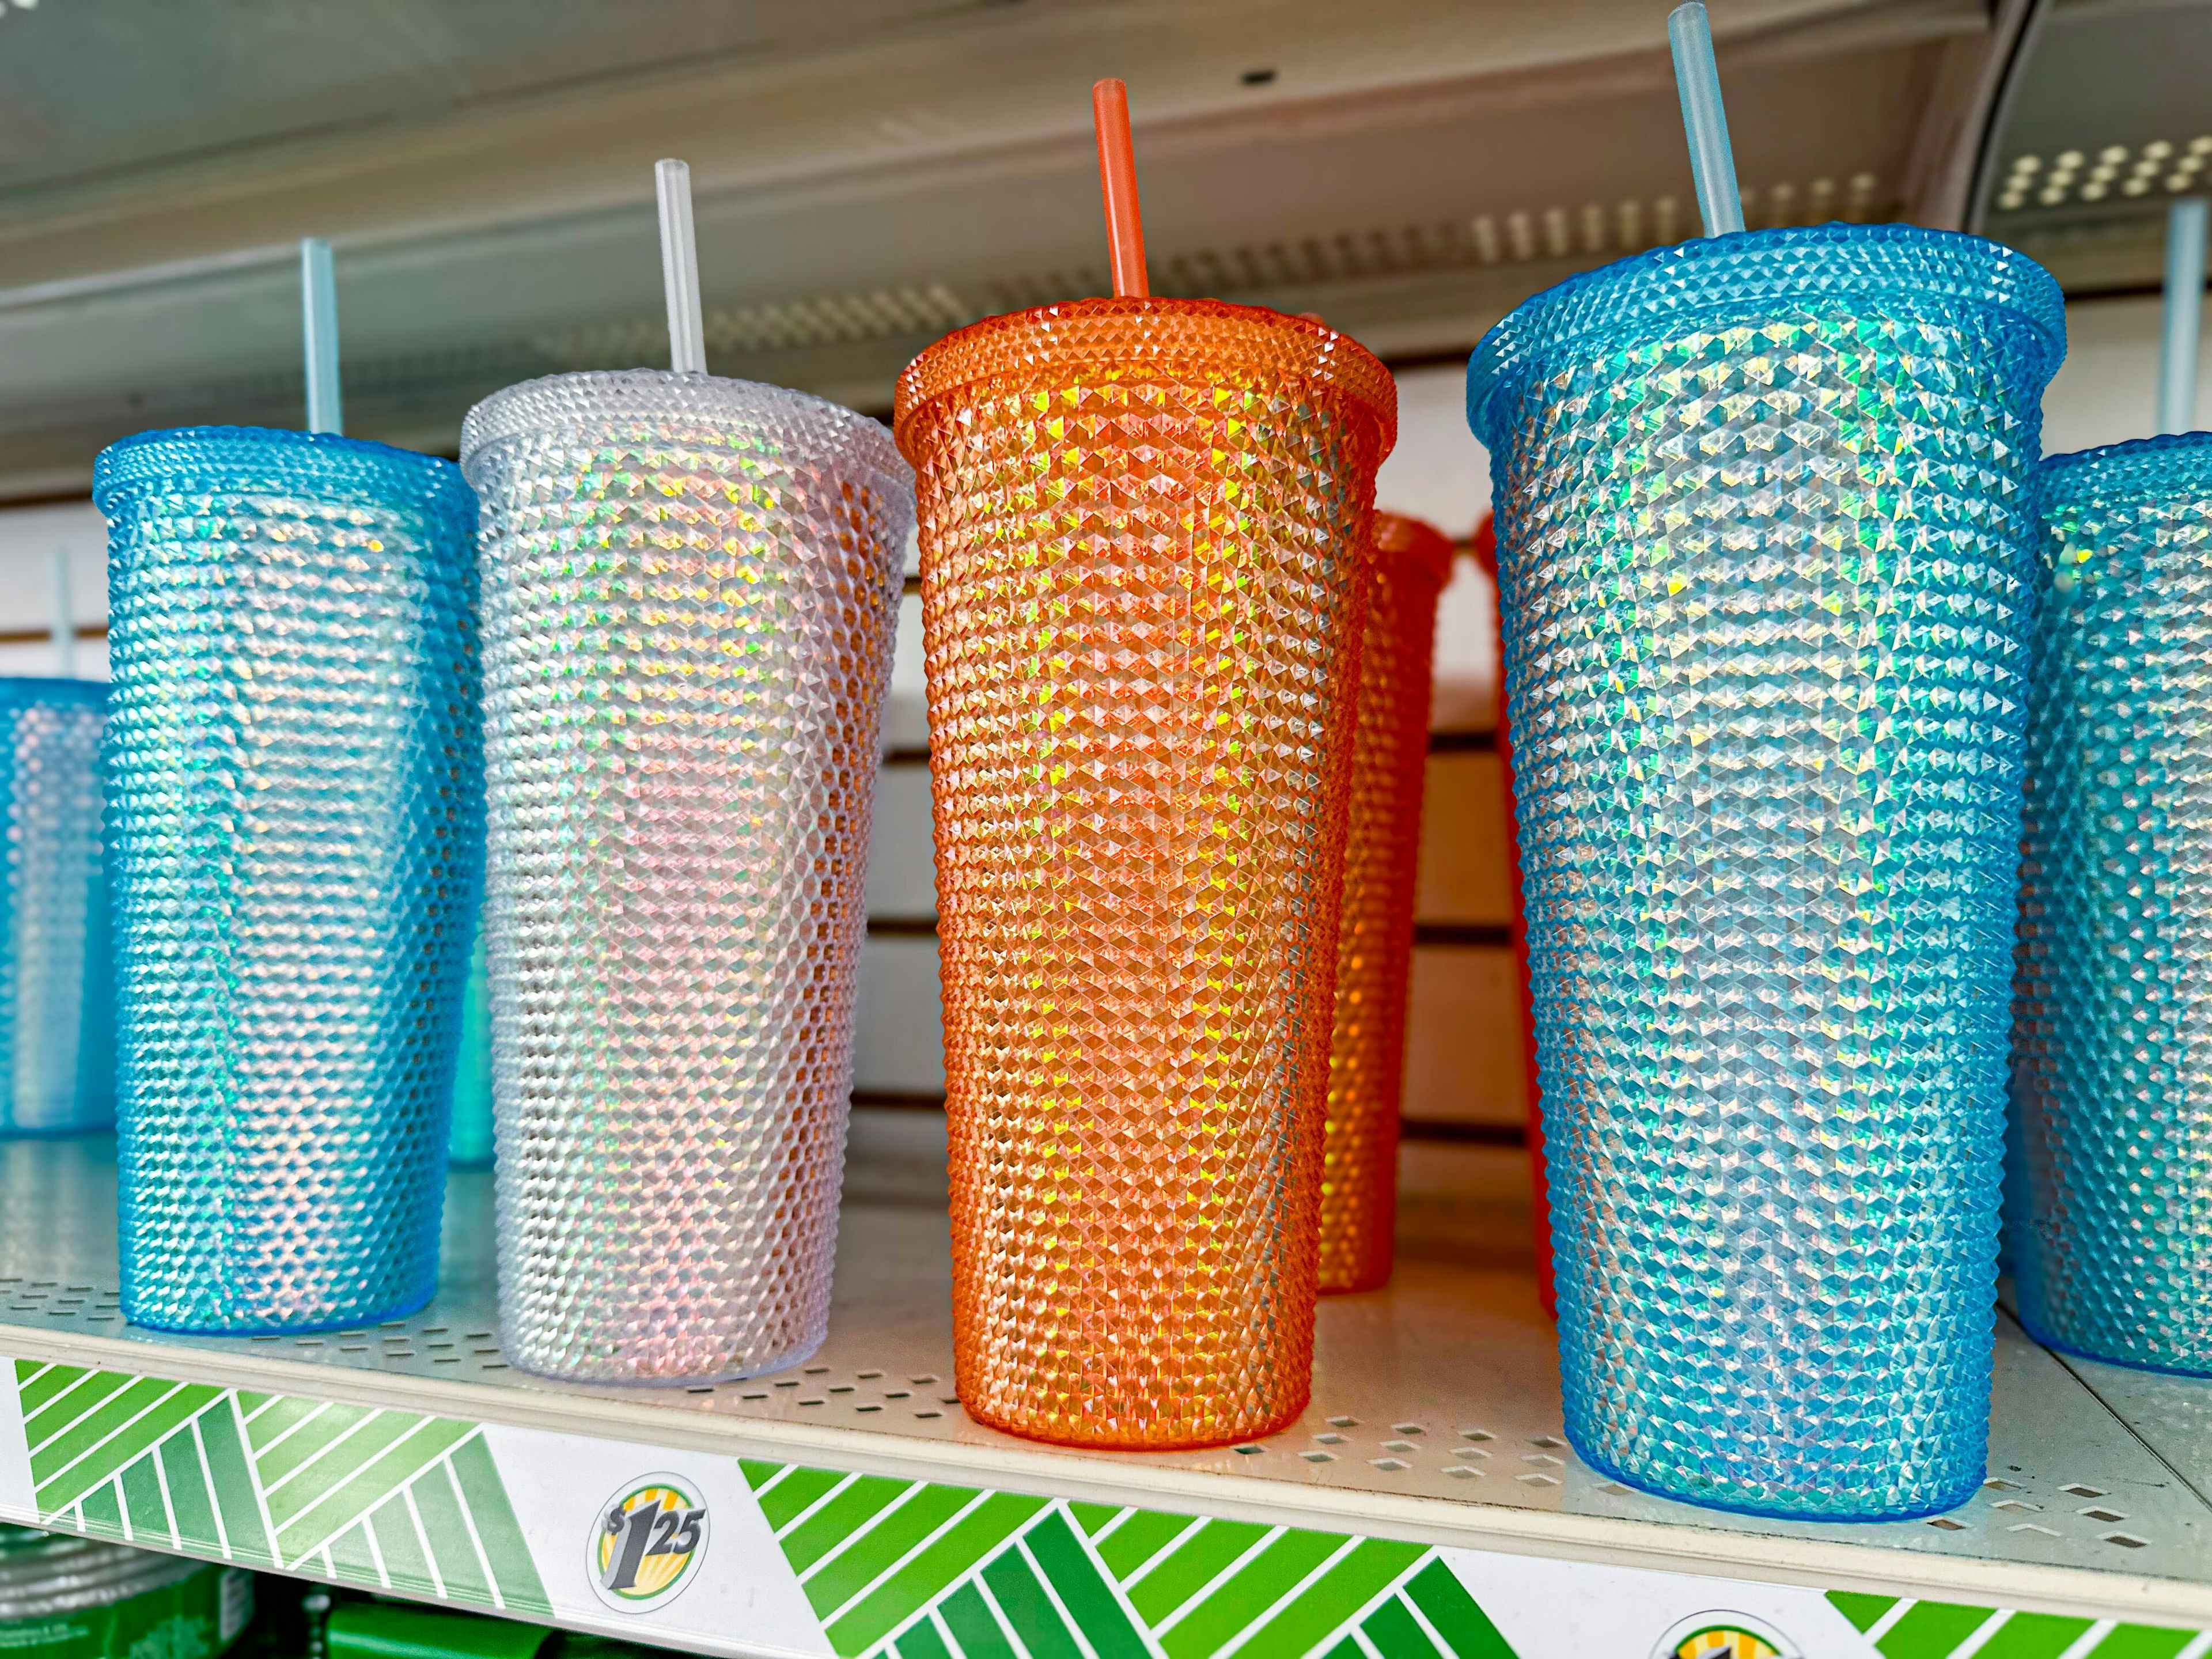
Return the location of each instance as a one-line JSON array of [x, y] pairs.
[[2084, 1491], [1250, 1451], [2017, 1507], [1584, 231], [2003, 1486], [1548, 1442], [2096, 1514], [2074, 176], [1330, 1440], [1392, 1465], [2126, 1541], [1318, 1457], [1476, 1434], [1408, 1428], [1343, 1422], [1460, 1472], [1538, 1479], [1399, 1446], [1615, 1489], [2030, 1526], [1945, 1523]]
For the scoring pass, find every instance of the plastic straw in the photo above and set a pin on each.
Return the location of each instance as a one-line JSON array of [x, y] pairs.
[[1117, 180], [319, 316], [64, 617], [2184, 302], [679, 269], [1697, 78]]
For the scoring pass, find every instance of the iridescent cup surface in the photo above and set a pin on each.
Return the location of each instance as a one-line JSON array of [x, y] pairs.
[[57, 1007], [2111, 1229], [1144, 565], [690, 586], [295, 846], [1765, 517], [1410, 562]]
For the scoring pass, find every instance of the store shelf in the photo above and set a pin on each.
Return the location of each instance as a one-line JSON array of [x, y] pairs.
[[1435, 1421]]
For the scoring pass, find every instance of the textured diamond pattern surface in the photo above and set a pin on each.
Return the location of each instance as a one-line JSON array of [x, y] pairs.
[[469, 1143], [1143, 529], [1764, 535], [56, 1022], [1374, 953], [293, 776], [690, 586], [2112, 1248]]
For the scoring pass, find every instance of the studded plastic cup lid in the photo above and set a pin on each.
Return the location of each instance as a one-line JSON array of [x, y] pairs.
[[1148, 339], [720, 406], [1719, 282], [2174, 457], [277, 460], [1415, 544]]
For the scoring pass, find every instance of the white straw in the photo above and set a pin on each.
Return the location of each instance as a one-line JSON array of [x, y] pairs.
[[679, 269], [64, 617], [319, 315], [2184, 303]]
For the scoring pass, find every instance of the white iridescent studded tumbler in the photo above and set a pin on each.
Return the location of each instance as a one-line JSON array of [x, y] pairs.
[[690, 590]]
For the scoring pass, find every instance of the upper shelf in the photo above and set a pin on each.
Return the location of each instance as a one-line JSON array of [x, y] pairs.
[[1435, 1416], [1408, 168]]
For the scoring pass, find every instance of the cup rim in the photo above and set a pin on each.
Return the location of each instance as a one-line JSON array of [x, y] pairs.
[[505, 415], [1591, 303], [61, 687], [1035, 339], [2189, 450], [129, 462], [1412, 545]]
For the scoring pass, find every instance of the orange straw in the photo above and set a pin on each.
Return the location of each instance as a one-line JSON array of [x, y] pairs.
[[1117, 179]]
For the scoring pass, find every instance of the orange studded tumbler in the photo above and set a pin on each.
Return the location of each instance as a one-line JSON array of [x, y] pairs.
[[1375, 942], [1143, 554]]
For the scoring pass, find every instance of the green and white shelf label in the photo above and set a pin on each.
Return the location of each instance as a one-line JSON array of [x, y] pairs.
[[744, 1556]]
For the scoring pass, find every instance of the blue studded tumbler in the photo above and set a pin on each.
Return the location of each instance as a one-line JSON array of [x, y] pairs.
[[2112, 1085], [1764, 528], [294, 809], [690, 590], [469, 1144], [57, 1032]]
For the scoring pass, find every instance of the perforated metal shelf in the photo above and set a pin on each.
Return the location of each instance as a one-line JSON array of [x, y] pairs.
[[1435, 1415]]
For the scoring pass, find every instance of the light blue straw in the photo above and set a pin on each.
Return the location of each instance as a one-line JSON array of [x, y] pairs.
[[319, 306], [1712, 164], [2184, 302]]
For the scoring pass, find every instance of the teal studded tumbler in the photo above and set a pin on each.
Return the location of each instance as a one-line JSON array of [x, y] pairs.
[[1765, 524], [57, 1032], [295, 809], [469, 1143], [2111, 1222]]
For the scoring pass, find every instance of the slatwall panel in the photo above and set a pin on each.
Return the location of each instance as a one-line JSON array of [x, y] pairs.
[[1463, 1064]]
